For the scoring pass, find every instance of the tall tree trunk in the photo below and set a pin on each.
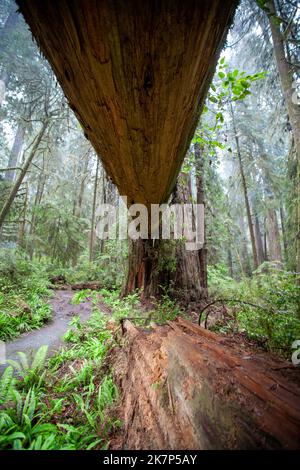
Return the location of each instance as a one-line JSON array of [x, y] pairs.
[[244, 248], [158, 264], [92, 233], [15, 151], [22, 223], [37, 201], [14, 190], [284, 239], [273, 236], [147, 269], [293, 109], [190, 280], [245, 191], [83, 177], [200, 184], [259, 243]]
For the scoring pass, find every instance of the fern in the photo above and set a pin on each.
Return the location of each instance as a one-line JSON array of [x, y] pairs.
[[6, 385], [40, 358], [31, 372], [23, 360]]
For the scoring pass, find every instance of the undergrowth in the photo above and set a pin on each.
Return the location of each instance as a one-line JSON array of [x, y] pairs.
[[159, 311], [275, 320], [108, 267], [23, 295], [62, 402]]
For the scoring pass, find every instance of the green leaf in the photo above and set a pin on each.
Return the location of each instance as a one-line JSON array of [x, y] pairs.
[[213, 99], [237, 90], [46, 427]]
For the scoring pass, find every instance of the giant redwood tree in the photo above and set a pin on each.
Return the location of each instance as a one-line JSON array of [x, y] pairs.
[[136, 75]]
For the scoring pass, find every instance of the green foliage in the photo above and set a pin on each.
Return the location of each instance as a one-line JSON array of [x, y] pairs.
[[58, 233], [166, 309], [126, 307], [109, 266], [31, 371], [162, 309], [70, 407], [23, 292], [7, 385], [235, 86], [230, 86], [218, 277], [275, 321], [21, 424]]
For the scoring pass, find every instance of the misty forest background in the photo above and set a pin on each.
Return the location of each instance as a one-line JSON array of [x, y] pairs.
[[242, 164]]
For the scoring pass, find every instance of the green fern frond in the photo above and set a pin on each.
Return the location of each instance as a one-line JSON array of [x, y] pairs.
[[39, 359], [6, 384]]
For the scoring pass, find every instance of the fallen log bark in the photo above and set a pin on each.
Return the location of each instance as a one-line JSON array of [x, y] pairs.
[[184, 387]]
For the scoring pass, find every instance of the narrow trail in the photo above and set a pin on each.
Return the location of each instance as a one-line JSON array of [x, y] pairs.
[[51, 333]]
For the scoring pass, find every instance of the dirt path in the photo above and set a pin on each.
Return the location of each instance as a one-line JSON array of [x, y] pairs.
[[52, 332]]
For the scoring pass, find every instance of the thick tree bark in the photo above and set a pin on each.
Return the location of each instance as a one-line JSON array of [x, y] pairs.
[[130, 60], [123, 66], [191, 270], [211, 392], [163, 264], [147, 267], [14, 190], [292, 105]]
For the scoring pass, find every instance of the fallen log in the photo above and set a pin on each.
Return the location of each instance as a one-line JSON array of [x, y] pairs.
[[184, 387], [79, 286]]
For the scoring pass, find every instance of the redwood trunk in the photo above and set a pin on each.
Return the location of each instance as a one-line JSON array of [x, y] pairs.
[[184, 387], [146, 269], [200, 184], [191, 273]]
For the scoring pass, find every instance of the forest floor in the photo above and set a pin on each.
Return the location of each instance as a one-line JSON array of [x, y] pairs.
[[51, 333], [156, 381]]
